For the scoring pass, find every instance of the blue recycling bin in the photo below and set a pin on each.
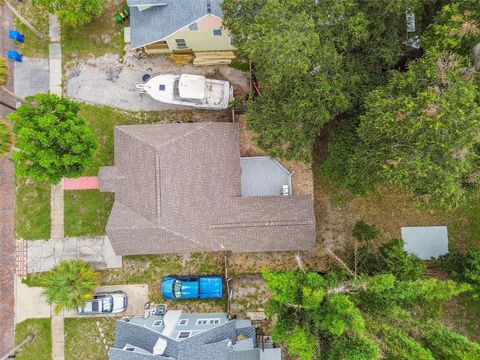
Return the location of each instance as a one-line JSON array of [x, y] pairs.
[[14, 55], [15, 35]]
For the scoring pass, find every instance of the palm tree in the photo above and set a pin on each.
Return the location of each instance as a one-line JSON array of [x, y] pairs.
[[69, 284]]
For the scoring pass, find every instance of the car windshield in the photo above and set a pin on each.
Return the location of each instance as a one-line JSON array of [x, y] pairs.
[[107, 304], [177, 289]]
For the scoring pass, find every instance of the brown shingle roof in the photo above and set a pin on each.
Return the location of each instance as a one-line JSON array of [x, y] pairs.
[[177, 189]]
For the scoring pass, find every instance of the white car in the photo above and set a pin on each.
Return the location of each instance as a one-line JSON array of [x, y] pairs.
[[105, 303], [188, 90]]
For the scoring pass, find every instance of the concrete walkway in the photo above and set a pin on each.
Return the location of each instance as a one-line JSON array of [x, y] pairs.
[[42, 255], [57, 230], [56, 202], [58, 335]]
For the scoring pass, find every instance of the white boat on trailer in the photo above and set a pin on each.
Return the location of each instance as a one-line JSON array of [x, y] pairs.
[[189, 90]]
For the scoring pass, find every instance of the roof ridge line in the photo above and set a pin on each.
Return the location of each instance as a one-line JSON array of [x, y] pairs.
[[184, 135], [261, 224]]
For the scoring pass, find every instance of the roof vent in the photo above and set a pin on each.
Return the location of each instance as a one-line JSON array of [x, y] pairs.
[[209, 7]]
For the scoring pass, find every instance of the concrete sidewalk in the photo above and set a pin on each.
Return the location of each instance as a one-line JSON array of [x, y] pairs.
[[43, 255], [31, 76]]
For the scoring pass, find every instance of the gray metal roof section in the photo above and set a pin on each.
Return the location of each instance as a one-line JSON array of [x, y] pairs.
[[425, 241], [263, 176], [158, 22]]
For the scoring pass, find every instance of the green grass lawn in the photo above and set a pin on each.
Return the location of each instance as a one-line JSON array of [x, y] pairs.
[[83, 340], [40, 348], [86, 212], [103, 35], [33, 46], [32, 209]]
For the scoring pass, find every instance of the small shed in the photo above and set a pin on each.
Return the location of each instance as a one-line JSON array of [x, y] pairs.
[[426, 242]]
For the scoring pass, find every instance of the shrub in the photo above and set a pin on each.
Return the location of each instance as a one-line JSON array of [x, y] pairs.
[[393, 259], [365, 232], [463, 267]]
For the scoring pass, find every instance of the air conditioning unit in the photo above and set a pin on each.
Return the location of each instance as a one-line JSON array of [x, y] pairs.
[[285, 190]]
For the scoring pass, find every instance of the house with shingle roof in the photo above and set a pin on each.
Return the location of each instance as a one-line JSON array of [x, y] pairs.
[[165, 26], [182, 188], [180, 336]]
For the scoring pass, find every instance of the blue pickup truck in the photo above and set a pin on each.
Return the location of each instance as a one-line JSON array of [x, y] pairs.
[[192, 287]]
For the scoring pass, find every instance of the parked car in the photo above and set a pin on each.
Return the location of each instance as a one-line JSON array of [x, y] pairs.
[[192, 287], [105, 303]]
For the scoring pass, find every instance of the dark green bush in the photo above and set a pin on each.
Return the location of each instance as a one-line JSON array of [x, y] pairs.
[[365, 232], [463, 267]]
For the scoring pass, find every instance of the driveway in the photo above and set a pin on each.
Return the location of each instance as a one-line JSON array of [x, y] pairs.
[[108, 81], [137, 297], [30, 302]]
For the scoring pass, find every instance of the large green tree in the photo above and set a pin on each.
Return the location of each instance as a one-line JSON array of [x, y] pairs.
[[332, 317], [73, 13], [420, 130], [314, 60], [54, 141]]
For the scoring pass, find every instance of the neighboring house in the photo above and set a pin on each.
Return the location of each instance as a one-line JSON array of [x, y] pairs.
[[182, 188], [163, 26], [179, 336]]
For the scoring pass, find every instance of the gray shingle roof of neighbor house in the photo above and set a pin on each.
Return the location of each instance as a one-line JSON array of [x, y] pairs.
[[168, 16], [178, 189], [216, 343]]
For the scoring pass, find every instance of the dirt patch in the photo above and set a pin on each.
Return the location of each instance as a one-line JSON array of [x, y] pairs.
[[249, 296]]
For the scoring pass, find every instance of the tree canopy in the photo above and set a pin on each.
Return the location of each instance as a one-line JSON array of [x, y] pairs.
[[332, 317], [73, 13], [54, 141], [314, 60], [420, 130]]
